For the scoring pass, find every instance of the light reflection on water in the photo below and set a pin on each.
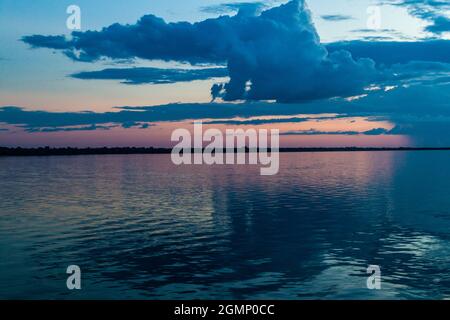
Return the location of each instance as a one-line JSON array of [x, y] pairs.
[[139, 227]]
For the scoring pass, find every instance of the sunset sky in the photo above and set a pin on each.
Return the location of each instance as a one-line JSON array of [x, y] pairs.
[[326, 73]]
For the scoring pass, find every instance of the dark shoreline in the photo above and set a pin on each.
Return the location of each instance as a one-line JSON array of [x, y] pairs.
[[46, 151]]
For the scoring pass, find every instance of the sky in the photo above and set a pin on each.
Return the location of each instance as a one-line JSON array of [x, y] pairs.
[[326, 73]]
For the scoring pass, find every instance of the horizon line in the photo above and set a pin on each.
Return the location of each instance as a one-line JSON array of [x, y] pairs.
[[68, 151]]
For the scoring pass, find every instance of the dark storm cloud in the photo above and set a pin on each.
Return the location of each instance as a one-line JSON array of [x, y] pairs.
[[152, 75], [274, 55]]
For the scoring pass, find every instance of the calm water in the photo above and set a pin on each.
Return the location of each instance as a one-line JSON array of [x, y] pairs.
[[140, 227]]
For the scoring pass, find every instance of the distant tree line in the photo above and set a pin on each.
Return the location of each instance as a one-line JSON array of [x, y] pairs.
[[47, 151]]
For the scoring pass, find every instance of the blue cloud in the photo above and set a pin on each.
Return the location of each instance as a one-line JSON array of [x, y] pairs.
[[133, 124], [51, 42], [336, 17], [127, 116], [389, 53], [440, 25], [92, 127], [152, 75], [377, 131], [257, 122]]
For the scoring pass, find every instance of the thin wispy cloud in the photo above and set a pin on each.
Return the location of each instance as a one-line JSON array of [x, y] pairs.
[[420, 111], [336, 17], [242, 7], [152, 75], [312, 132]]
